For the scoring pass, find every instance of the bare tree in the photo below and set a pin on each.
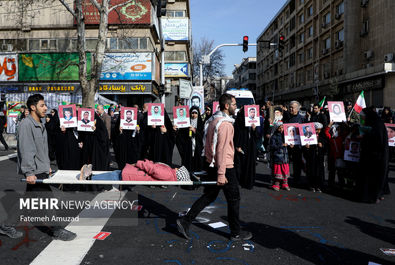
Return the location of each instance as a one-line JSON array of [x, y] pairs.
[[216, 66], [90, 86]]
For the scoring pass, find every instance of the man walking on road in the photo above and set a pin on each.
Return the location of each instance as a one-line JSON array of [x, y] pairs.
[[219, 152], [33, 160]]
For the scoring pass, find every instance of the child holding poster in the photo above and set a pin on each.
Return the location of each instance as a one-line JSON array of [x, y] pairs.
[[315, 159], [279, 158], [68, 116]]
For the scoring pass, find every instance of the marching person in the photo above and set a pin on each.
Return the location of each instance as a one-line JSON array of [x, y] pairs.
[[219, 151], [33, 160], [2, 123]]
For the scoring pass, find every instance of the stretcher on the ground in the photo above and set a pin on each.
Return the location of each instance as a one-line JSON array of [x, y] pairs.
[[72, 177]]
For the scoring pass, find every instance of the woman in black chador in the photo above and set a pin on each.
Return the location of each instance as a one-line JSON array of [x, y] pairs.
[[373, 176], [95, 146], [245, 139], [189, 142], [53, 127], [128, 142], [158, 142]]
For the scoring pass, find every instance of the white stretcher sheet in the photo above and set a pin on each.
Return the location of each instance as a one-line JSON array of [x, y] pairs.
[[72, 177]]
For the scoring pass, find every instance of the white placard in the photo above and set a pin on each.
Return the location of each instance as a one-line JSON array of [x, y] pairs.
[[86, 119], [291, 133], [156, 114], [336, 111], [307, 134]]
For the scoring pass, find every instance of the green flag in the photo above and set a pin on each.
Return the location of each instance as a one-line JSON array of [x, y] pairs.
[[322, 102]]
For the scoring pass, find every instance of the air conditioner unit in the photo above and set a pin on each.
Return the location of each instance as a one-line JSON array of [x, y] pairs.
[[338, 44], [368, 54], [338, 16], [364, 3], [389, 57]]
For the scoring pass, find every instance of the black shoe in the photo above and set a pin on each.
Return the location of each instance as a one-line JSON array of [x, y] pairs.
[[183, 228], [10, 231], [243, 235], [63, 234]]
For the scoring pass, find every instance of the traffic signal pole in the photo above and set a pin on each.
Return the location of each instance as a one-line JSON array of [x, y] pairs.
[[206, 58]]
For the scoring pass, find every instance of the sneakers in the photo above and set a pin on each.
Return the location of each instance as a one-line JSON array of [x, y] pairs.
[[276, 187], [183, 228], [286, 187], [63, 234], [10, 231], [318, 190], [312, 189], [243, 235]]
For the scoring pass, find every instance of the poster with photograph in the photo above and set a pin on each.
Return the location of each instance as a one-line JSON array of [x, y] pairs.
[[251, 115], [181, 117], [68, 116], [307, 134], [128, 118], [197, 98], [156, 114], [291, 134], [391, 134], [86, 119], [336, 111], [275, 114], [215, 106], [352, 151]]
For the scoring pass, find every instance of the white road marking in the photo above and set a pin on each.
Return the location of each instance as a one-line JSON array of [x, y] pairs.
[[73, 252]]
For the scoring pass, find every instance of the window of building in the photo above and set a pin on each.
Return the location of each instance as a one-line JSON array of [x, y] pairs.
[[34, 45], [365, 27], [175, 13], [292, 23], [327, 18], [9, 45], [175, 56], [91, 44], [327, 43], [129, 44], [301, 19], [340, 35], [301, 2], [310, 11], [340, 8], [310, 31], [63, 45], [310, 53], [292, 60], [301, 57], [252, 76], [301, 37]]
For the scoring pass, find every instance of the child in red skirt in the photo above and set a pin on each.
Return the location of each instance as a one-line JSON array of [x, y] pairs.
[[279, 158]]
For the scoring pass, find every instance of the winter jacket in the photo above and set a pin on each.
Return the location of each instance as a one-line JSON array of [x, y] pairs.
[[279, 153]]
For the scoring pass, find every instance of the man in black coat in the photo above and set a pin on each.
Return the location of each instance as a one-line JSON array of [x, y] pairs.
[[2, 123]]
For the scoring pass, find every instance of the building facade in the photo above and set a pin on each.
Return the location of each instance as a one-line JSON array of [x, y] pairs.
[[244, 74], [38, 50], [333, 48], [178, 49]]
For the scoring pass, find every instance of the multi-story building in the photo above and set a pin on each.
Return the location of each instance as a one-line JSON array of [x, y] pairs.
[[244, 74], [39, 50], [333, 48], [178, 49]]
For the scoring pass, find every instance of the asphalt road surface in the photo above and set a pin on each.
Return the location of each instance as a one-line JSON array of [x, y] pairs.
[[295, 227]]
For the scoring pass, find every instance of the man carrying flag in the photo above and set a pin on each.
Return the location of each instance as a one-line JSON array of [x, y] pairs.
[[322, 103]]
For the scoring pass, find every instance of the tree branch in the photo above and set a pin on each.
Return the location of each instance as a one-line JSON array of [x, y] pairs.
[[96, 4], [116, 6], [63, 2]]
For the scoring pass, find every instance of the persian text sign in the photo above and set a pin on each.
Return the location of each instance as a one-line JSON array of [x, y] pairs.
[[127, 66], [8, 67], [175, 28], [50, 66], [125, 88], [135, 12], [176, 69]]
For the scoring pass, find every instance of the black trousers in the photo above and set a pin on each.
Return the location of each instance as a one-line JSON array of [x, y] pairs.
[[296, 154], [210, 194], [41, 190], [3, 141]]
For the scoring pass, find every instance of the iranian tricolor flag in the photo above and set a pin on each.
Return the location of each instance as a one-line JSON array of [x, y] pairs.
[[360, 104]]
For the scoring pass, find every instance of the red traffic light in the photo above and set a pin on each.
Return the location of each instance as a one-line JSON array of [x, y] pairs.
[[282, 38], [245, 38]]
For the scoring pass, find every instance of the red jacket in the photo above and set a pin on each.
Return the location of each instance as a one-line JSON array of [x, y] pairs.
[[336, 146], [146, 170]]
